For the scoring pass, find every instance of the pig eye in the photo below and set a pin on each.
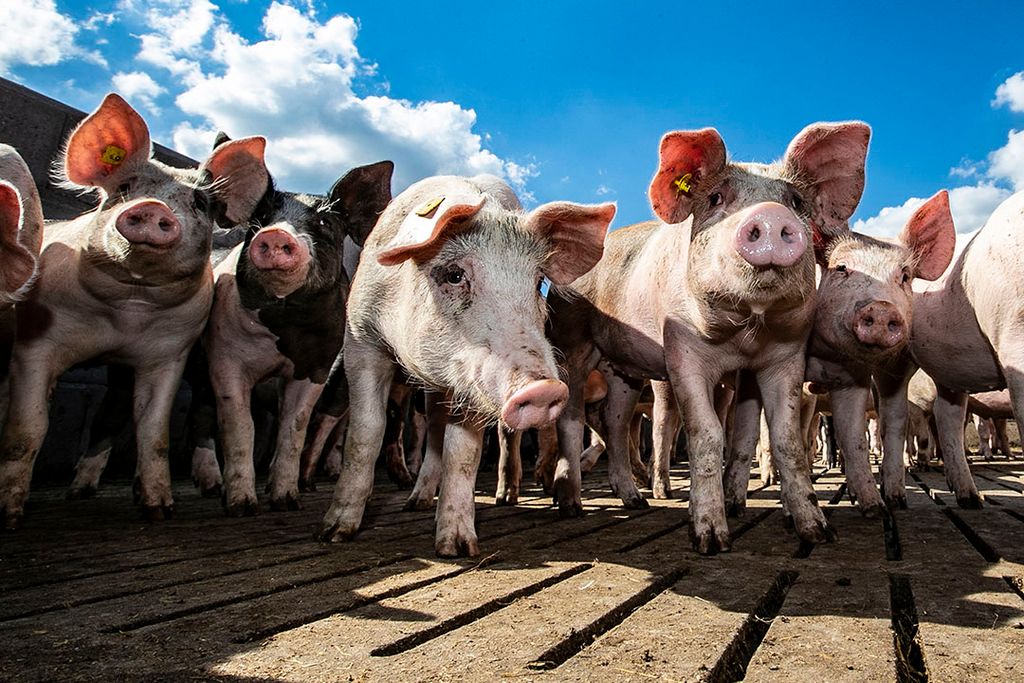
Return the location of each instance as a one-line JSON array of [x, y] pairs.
[[906, 278], [715, 199], [796, 201], [201, 201], [455, 276]]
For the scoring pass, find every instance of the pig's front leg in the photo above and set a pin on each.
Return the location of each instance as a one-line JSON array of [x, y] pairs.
[[567, 483], [849, 406], [781, 388], [547, 456], [892, 415], [456, 531], [237, 436], [369, 374], [510, 466], [429, 477], [32, 380], [746, 431], [617, 415], [323, 425], [950, 413], [298, 399], [154, 393], [666, 422]]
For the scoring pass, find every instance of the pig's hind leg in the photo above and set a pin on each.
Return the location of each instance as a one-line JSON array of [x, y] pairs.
[[950, 412], [298, 399], [510, 466], [617, 416]]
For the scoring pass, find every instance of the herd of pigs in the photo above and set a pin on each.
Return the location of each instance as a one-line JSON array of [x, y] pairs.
[[748, 293]]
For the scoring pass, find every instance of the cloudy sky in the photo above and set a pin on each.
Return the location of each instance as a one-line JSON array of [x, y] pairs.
[[566, 100]]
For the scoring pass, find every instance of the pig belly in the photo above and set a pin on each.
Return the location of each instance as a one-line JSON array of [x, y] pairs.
[[961, 360], [633, 355]]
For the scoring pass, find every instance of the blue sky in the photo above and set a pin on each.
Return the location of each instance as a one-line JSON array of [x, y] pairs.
[[566, 99]]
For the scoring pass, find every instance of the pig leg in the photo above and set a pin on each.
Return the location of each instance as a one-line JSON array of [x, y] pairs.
[[429, 478], [1001, 438], [666, 424], [298, 399], [547, 456], [237, 438], [567, 486], [765, 463], [456, 529], [746, 431], [399, 403], [332, 465], [419, 430], [617, 415], [32, 382], [154, 394], [510, 466], [781, 389], [636, 462], [985, 430], [589, 457], [322, 427], [892, 417], [848, 409], [950, 412], [369, 380], [111, 423]]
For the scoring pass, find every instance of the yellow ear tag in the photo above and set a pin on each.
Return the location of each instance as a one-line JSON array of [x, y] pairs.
[[683, 183], [113, 155], [426, 209]]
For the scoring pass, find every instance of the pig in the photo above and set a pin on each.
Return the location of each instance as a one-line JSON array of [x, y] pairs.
[[129, 282], [966, 335], [723, 281], [861, 333], [279, 311], [450, 288]]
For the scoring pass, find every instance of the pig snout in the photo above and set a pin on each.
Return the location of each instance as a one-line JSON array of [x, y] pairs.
[[536, 404], [277, 249], [149, 222], [769, 234], [879, 323]]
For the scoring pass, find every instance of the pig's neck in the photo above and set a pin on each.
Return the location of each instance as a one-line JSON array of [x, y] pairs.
[[124, 283]]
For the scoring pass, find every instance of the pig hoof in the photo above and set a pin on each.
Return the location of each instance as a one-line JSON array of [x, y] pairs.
[[570, 508], [211, 491], [417, 504], [736, 509], [457, 547], [969, 502], [642, 480], [710, 541], [335, 533], [12, 520], [289, 502], [662, 492], [637, 502], [307, 485], [157, 513], [819, 531], [81, 492], [873, 511], [507, 498], [242, 508], [896, 502]]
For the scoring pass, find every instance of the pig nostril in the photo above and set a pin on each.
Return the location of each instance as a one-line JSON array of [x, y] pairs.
[[754, 234], [287, 249], [787, 235], [869, 321], [894, 326]]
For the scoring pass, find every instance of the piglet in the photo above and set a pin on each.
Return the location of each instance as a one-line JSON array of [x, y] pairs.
[[450, 288], [129, 282]]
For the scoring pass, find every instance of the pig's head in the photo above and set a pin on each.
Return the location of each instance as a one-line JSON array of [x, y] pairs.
[[17, 264], [155, 220], [295, 242], [479, 273], [753, 226], [864, 308]]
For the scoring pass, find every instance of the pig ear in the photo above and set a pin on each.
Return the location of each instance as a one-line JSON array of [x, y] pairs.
[[829, 159], [686, 158], [220, 139], [107, 145], [576, 234], [360, 197], [17, 264], [931, 236], [240, 176], [425, 230]]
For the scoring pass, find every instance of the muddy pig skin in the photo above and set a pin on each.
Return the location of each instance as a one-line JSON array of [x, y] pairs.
[[966, 334], [449, 288], [724, 281], [129, 282], [861, 335], [279, 311]]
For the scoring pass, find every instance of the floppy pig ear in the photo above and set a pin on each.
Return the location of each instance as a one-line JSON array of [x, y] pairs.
[[931, 236], [425, 230], [829, 158], [240, 176], [685, 158], [17, 264], [360, 197], [576, 234], [106, 145]]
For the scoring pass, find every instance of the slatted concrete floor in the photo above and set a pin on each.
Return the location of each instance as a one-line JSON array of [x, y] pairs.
[[91, 593]]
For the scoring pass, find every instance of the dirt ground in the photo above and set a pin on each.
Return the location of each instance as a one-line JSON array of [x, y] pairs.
[[91, 593]]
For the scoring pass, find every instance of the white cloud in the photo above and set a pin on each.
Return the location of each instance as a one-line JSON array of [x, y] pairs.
[[138, 86], [970, 205], [1011, 93], [176, 43], [36, 34], [602, 190], [296, 87]]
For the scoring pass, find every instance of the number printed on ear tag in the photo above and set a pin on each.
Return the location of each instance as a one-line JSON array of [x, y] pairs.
[[113, 155]]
